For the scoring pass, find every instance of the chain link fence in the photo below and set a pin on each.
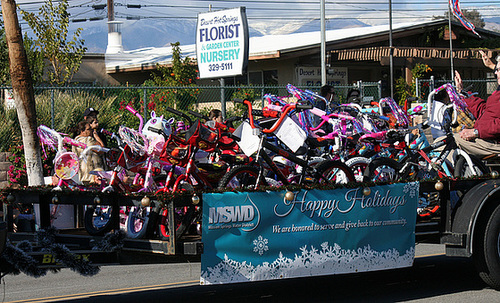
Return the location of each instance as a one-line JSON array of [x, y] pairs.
[[146, 99], [483, 88]]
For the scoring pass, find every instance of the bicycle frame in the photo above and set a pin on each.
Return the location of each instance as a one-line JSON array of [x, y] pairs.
[[413, 155]]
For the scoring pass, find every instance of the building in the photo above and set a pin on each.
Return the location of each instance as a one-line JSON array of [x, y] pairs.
[[353, 54]]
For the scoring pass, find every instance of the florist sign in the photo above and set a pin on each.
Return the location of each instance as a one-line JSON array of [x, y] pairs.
[[222, 43]]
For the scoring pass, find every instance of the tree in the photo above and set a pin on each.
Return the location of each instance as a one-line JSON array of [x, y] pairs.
[[182, 72], [51, 28], [22, 86], [472, 15], [35, 59]]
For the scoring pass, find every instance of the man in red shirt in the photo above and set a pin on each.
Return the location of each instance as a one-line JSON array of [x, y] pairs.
[[484, 138]]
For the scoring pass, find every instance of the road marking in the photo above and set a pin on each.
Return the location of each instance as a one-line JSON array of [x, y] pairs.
[[107, 292], [430, 255]]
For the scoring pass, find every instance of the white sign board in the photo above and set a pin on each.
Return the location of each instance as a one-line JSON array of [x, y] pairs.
[[311, 76], [222, 43]]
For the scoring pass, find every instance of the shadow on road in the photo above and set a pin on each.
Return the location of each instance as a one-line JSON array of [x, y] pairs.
[[429, 277]]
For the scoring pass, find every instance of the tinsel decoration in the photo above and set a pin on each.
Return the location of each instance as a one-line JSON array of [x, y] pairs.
[[62, 254], [15, 260], [111, 242]]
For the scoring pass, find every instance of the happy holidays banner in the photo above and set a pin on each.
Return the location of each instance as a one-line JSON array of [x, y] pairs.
[[263, 235]]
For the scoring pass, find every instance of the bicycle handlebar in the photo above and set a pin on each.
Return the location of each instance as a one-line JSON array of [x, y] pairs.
[[198, 115], [113, 136], [287, 109], [95, 148], [179, 113], [136, 113]]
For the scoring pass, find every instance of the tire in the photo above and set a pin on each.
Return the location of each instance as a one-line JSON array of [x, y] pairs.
[[163, 230], [463, 170], [487, 251], [139, 222], [241, 176], [382, 170], [333, 171], [99, 220], [358, 166]]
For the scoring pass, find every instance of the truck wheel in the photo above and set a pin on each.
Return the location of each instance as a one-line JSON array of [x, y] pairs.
[[487, 255]]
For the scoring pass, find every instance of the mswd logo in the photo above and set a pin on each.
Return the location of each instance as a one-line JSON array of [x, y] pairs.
[[246, 216], [227, 214]]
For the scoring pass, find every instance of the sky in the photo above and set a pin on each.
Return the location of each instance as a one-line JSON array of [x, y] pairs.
[[368, 11], [264, 16]]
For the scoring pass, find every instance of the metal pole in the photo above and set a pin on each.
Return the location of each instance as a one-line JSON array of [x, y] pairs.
[[323, 43], [222, 98], [417, 90], [52, 108], [379, 89], [391, 50], [451, 44], [145, 104]]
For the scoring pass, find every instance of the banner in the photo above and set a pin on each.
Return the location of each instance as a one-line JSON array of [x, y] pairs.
[[222, 43], [263, 235]]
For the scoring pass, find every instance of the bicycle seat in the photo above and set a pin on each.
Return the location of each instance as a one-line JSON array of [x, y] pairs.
[[318, 142]]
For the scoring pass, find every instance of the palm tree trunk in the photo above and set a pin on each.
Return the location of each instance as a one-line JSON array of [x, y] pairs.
[[22, 86]]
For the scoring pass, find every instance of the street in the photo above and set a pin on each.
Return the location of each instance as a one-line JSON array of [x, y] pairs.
[[433, 278]]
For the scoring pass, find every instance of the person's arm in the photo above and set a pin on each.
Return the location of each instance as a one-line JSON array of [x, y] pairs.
[[474, 104], [486, 60], [95, 135]]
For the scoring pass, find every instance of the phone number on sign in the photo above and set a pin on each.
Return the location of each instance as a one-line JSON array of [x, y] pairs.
[[222, 66]]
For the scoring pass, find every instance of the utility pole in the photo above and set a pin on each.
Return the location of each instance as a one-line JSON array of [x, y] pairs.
[[111, 10], [391, 51], [24, 97], [323, 43]]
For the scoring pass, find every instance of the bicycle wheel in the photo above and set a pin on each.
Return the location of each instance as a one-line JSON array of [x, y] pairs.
[[462, 168], [99, 219], [382, 170], [164, 231], [241, 176], [137, 222], [358, 166], [333, 171]]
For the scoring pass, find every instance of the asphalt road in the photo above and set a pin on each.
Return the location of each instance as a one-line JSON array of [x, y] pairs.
[[433, 278]]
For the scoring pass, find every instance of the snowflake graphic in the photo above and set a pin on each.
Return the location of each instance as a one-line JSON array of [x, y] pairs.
[[260, 245], [412, 188]]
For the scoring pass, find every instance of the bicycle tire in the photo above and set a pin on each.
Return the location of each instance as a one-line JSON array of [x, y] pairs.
[[241, 176], [334, 170], [163, 230], [462, 168], [382, 170], [98, 222], [358, 166], [138, 220]]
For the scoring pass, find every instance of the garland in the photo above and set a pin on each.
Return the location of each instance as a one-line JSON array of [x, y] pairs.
[[181, 196], [111, 242], [16, 259]]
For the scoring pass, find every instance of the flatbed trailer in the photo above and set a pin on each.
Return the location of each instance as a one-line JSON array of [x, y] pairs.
[[467, 223]]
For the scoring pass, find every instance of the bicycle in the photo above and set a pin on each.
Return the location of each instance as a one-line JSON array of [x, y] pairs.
[[417, 165], [253, 140]]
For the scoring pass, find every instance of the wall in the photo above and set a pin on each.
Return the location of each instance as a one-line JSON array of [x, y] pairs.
[[4, 168]]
